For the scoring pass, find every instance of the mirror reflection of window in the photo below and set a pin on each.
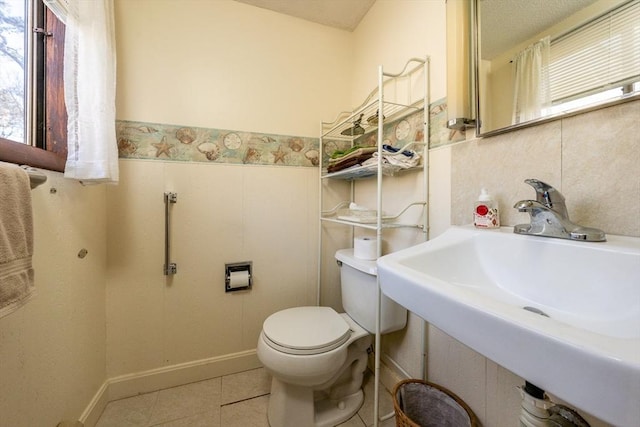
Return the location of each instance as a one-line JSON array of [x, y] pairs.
[[594, 57], [531, 95], [597, 61]]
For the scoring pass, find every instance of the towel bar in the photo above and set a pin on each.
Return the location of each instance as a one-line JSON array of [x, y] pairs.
[[35, 176]]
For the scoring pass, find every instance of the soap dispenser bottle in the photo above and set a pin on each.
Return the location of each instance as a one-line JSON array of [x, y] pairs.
[[485, 212]]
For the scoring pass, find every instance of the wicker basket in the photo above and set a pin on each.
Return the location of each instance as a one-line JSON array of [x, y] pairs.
[[420, 403]]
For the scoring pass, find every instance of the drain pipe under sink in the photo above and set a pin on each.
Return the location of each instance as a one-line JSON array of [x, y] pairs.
[[538, 411]]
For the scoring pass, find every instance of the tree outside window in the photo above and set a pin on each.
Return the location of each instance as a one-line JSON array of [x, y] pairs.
[[13, 69]]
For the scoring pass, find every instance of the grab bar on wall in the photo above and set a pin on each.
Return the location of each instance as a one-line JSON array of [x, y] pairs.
[[169, 267]]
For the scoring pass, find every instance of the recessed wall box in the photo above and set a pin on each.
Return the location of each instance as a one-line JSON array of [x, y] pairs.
[[238, 276]]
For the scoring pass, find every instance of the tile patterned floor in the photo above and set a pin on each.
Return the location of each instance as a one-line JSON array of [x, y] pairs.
[[238, 400]]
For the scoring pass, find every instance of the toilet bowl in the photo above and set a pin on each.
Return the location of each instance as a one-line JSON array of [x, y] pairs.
[[324, 364], [317, 356]]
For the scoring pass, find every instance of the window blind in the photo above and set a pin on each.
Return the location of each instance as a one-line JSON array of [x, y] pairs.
[[602, 54]]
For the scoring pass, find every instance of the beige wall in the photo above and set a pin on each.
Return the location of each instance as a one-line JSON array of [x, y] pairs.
[[333, 68], [224, 213], [218, 64], [52, 350], [227, 65], [393, 32]]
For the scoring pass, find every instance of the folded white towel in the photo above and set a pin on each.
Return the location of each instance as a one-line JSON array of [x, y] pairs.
[[16, 238], [396, 158]]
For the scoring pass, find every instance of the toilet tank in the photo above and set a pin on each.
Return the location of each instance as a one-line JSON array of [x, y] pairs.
[[358, 281]]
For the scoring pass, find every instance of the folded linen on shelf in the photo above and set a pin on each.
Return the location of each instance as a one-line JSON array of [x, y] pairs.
[[393, 156], [339, 156], [347, 163], [353, 157]]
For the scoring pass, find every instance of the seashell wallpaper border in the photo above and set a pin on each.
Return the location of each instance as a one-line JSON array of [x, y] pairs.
[[141, 140]]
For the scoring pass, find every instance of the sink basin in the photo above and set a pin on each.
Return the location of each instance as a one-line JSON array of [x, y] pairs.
[[563, 315]]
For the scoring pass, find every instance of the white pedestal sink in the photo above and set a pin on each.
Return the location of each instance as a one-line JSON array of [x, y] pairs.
[[488, 288]]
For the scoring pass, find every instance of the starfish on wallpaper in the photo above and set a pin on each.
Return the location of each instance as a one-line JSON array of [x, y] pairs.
[[278, 156], [163, 147]]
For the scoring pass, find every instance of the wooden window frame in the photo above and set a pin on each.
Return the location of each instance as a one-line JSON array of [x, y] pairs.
[[53, 155]]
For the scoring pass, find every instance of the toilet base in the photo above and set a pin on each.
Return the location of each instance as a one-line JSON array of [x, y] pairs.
[[326, 414], [304, 410]]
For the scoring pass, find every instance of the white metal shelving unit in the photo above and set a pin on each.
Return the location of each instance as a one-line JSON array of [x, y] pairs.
[[394, 99]]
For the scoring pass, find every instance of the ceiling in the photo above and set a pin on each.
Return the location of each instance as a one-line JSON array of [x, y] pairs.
[[506, 23], [342, 14]]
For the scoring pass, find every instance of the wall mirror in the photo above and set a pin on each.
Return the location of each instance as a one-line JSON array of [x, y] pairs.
[[537, 60]]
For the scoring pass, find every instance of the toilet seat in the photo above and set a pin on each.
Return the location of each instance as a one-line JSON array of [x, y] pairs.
[[306, 330]]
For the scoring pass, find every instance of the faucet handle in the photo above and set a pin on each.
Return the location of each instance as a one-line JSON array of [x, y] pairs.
[[549, 196], [545, 194]]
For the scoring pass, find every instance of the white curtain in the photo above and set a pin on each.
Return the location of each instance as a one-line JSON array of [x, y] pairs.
[[90, 88], [531, 93]]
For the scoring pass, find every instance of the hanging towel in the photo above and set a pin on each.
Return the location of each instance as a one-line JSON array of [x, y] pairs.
[[16, 238]]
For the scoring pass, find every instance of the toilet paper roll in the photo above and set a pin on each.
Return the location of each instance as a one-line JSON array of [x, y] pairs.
[[365, 248], [238, 279]]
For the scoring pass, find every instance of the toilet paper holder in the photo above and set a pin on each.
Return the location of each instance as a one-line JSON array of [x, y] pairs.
[[238, 276]]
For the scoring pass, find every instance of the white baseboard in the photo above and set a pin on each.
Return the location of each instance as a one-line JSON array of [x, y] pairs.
[[137, 383], [165, 377], [94, 409]]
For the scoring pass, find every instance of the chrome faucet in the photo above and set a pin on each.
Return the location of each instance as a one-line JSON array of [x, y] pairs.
[[550, 218]]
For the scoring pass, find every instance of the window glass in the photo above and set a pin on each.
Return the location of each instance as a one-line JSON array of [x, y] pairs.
[[13, 70]]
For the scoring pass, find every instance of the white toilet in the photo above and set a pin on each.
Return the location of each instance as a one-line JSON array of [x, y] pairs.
[[317, 357]]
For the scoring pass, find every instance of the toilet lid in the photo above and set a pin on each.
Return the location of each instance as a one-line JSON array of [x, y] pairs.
[[306, 330]]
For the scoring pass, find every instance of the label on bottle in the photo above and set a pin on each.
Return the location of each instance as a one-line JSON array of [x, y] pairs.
[[486, 217]]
